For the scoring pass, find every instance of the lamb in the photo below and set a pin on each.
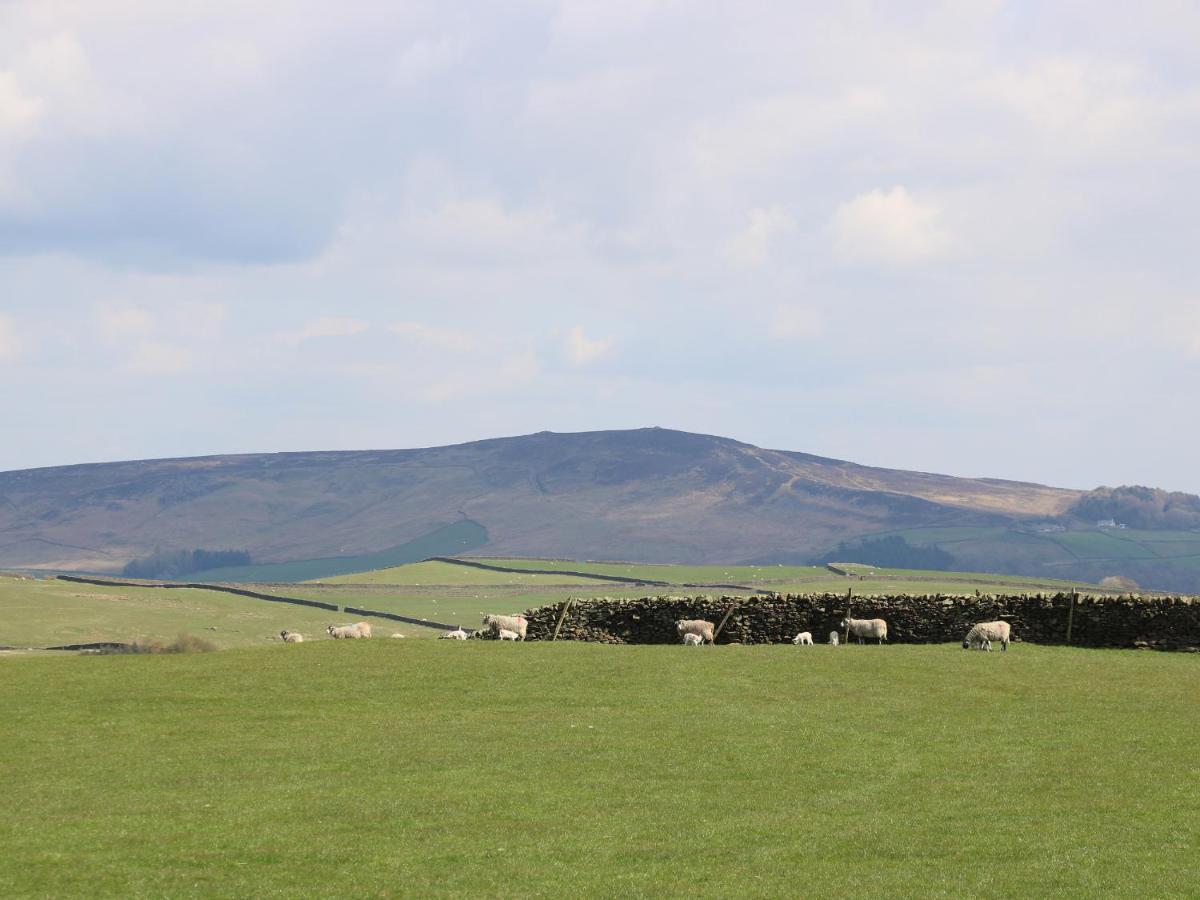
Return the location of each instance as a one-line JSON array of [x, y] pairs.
[[506, 635], [692, 640], [803, 638], [984, 633], [866, 628], [833, 638], [509, 623], [344, 632], [458, 635], [696, 626], [291, 637]]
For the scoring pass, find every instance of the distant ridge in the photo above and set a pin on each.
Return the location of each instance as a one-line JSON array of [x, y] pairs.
[[647, 494]]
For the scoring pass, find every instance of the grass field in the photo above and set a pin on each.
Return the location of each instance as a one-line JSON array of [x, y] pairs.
[[43, 613], [424, 768]]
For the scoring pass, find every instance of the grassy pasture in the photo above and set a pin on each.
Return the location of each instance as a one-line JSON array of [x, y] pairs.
[[425, 768], [46, 612]]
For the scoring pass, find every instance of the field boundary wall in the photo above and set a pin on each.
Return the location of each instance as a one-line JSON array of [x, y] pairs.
[[1165, 623]]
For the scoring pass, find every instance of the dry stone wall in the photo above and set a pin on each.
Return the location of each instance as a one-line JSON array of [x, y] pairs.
[[1167, 623]]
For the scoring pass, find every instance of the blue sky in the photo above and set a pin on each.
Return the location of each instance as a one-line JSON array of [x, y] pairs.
[[957, 237]]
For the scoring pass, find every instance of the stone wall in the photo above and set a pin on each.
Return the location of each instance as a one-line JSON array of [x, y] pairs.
[[1167, 623]]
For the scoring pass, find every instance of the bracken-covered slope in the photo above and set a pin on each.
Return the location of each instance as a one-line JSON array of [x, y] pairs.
[[647, 494]]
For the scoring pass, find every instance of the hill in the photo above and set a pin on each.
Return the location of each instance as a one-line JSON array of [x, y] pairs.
[[641, 495]]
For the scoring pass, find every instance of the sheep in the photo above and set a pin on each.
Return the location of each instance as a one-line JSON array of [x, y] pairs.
[[690, 640], [364, 629], [866, 628], [834, 640], [506, 635], [344, 632], [984, 633], [804, 637], [291, 637], [458, 635], [508, 623], [398, 635], [696, 626]]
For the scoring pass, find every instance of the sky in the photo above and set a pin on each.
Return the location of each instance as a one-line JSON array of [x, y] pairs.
[[958, 237]]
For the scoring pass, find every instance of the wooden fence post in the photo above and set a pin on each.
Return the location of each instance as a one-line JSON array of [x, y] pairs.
[[728, 613], [561, 615], [1071, 615]]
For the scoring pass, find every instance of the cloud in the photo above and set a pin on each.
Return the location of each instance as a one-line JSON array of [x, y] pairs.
[[441, 338], [118, 322], [155, 358], [890, 229], [796, 322], [10, 343], [324, 327], [581, 349], [751, 247], [19, 113]]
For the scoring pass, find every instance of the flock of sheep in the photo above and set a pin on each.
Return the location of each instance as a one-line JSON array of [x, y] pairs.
[[698, 631], [693, 632]]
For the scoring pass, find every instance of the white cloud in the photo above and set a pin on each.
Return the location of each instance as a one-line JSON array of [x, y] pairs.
[[888, 228], [751, 247], [796, 322], [324, 327], [153, 358], [582, 350], [19, 112], [120, 322], [441, 338], [10, 343]]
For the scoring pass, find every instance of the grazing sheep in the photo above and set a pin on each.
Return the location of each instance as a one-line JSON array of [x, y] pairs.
[[291, 637], [804, 637], [984, 633], [690, 639], [344, 632], [506, 635], [866, 628], [458, 635], [834, 640], [696, 626], [508, 623]]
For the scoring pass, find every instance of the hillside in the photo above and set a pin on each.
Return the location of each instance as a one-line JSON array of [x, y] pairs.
[[641, 495]]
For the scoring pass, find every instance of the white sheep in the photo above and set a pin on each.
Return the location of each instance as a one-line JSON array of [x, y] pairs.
[[696, 626], [344, 632], [506, 635], [984, 633], [803, 638], [834, 640], [690, 640], [364, 629], [509, 623], [397, 635], [458, 635], [291, 637], [866, 628]]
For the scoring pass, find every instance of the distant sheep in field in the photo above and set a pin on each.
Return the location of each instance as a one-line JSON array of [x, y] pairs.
[[866, 628], [364, 629], [984, 633], [291, 637], [698, 627], [397, 635], [804, 638], [343, 632], [834, 640], [458, 635], [509, 623], [506, 635], [692, 640]]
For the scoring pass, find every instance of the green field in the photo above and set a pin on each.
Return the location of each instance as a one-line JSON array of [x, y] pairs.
[[42, 613], [425, 768]]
